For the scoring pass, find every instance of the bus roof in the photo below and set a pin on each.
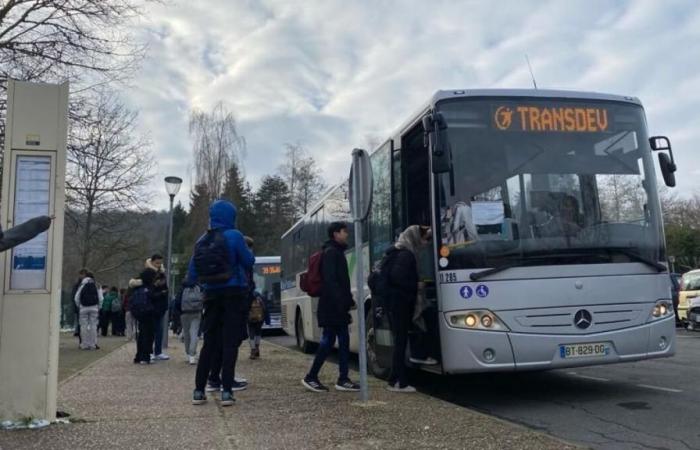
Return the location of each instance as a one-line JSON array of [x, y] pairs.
[[537, 93]]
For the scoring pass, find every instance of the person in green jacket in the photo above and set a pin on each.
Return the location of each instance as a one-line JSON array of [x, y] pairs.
[[106, 314]]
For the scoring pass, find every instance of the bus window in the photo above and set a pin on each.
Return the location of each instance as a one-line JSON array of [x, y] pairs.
[[380, 219], [415, 167]]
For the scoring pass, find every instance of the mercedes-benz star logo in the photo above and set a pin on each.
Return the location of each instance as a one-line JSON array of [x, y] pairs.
[[583, 319]]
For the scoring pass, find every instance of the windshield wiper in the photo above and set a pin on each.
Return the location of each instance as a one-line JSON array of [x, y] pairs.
[[631, 255], [476, 276]]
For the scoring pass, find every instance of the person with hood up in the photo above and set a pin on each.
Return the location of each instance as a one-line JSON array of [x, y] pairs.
[[160, 299], [220, 263], [333, 312], [404, 294], [88, 299]]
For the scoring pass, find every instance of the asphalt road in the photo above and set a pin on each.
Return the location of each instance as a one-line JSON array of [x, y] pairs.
[[646, 405]]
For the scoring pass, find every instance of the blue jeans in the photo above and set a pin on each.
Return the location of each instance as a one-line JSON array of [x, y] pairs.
[[324, 349], [158, 338]]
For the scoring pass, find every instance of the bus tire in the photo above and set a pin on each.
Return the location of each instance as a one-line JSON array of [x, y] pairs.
[[372, 363], [302, 342]]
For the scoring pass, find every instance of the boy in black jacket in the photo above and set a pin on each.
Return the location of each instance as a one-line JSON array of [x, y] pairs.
[[334, 310]]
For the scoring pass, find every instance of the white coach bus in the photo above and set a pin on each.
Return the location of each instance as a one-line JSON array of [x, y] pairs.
[[266, 274], [548, 246]]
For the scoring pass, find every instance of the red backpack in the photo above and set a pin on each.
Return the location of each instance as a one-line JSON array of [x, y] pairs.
[[310, 281]]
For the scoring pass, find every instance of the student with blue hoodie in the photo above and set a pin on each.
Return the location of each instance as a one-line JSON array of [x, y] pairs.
[[219, 264]]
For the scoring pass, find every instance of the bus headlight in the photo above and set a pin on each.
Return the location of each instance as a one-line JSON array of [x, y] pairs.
[[482, 319], [661, 310]]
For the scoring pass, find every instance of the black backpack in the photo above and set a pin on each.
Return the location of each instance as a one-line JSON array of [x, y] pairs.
[[378, 279], [88, 295], [211, 259], [139, 303]]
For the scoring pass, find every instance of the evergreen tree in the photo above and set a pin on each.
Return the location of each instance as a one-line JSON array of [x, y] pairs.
[[274, 214], [239, 192], [196, 223], [179, 222], [234, 185]]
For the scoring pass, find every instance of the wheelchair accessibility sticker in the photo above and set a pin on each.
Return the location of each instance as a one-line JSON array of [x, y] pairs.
[[482, 291]]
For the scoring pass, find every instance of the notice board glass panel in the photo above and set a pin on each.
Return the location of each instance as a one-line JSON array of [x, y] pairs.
[[32, 199]]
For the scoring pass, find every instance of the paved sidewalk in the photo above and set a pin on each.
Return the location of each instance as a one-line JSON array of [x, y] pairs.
[[118, 405]]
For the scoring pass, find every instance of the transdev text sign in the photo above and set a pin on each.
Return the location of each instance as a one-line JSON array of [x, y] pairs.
[[551, 118]]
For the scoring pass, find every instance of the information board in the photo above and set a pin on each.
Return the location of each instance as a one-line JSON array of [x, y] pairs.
[[32, 193]]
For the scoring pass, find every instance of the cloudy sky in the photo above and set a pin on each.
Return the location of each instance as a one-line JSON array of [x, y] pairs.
[[334, 74]]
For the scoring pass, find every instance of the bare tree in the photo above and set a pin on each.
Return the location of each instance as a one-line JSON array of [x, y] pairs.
[[217, 144], [52, 40], [109, 166], [85, 41], [309, 187], [303, 178]]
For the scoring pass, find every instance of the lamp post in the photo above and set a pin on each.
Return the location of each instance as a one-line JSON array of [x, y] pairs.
[[172, 187]]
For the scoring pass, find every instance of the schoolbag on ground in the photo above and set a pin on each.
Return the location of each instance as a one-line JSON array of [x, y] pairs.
[[211, 258], [192, 299], [139, 303], [88, 295], [117, 304], [378, 279], [310, 281], [257, 310]]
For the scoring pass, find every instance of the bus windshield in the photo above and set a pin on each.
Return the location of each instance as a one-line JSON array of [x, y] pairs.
[[543, 182], [267, 282]]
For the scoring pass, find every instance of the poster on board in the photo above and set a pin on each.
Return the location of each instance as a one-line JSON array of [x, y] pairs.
[[32, 199]]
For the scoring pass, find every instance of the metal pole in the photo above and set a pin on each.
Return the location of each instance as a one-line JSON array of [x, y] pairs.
[[168, 269], [357, 183]]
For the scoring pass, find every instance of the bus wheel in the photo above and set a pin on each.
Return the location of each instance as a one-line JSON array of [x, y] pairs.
[[372, 361], [302, 342]]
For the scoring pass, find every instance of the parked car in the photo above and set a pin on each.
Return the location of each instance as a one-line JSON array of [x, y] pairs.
[[689, 290]]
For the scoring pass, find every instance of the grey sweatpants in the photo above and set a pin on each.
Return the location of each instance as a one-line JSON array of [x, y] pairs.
[[89, 317], [190, 328]]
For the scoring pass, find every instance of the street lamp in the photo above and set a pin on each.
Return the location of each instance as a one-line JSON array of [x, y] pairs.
[[172, 187]]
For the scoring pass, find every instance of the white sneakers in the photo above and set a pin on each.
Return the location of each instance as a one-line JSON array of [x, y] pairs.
[[396, 388], [192, 360], [162, 357]]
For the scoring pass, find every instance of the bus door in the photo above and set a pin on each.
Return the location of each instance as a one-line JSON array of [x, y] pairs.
[[417, 209]]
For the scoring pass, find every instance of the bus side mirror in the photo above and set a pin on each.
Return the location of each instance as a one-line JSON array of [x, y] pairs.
[[435, 129], [667, 169], [666, 162]]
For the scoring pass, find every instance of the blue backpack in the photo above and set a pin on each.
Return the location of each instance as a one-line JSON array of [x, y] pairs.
[[211, 258], [140, 304]]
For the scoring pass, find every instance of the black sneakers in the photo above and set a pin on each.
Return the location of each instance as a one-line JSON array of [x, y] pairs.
[[227, 398], [198, 398], [347, 386], [239, 386], [314, 385]]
